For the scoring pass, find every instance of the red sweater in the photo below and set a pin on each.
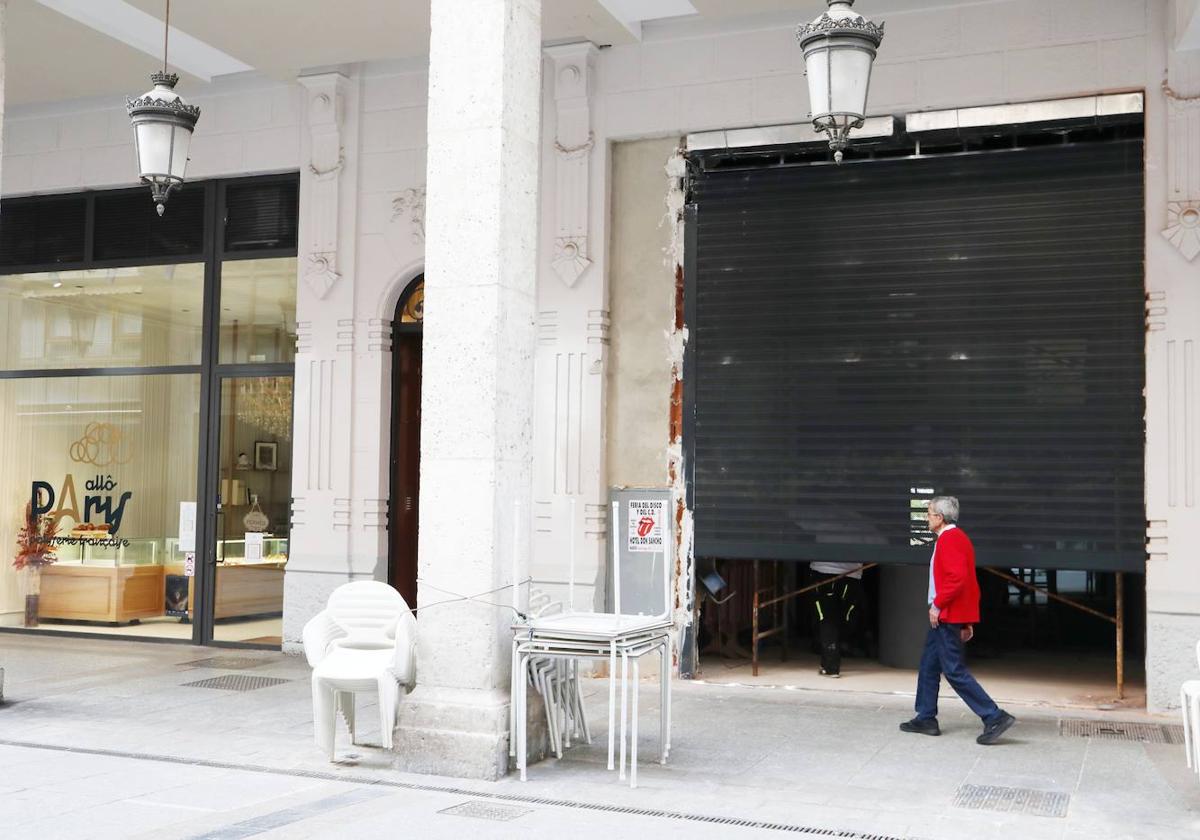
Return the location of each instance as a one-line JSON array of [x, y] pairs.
[[957, 590]]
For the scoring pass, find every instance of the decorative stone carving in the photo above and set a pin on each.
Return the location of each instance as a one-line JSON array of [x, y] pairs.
[[411, 203], [573, 146], [1183, 227], [326, 161], [1183, 172]]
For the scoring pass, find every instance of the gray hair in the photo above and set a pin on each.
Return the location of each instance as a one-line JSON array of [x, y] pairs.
[[947, 506]]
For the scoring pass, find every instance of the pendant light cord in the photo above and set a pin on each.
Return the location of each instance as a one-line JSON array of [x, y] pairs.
[[166, 36]]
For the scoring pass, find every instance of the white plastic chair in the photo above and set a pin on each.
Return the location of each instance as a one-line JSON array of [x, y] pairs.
[[363, 641], [1189, 700]]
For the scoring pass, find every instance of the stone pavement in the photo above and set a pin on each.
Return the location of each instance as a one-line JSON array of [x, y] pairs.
[[104, 739]]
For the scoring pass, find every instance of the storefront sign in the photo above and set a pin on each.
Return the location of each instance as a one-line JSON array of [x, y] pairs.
[[645, 530], [102, 512]]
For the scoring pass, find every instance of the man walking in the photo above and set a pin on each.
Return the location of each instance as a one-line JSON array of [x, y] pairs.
[[953, 610]]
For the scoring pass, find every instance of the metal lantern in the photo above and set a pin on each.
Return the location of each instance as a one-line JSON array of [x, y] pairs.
[[839, 48], [162, 130]]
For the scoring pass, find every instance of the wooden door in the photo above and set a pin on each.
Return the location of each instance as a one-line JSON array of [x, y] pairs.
[[405, 464]]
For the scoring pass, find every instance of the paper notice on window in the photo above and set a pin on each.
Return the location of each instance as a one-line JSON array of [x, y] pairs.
[[646, 517], [254, 547], [187, 526]]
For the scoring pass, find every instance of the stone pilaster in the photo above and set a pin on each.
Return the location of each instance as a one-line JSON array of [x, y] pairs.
[[327, 511], [481, 266]]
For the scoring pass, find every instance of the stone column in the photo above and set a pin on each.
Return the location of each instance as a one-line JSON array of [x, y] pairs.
[[3, 39], [477, 384]]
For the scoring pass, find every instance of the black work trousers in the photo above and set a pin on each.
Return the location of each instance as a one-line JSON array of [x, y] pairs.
[[837, 604]]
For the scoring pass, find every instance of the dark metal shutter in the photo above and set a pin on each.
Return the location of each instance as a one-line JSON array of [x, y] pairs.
[[128, 226], [970, 324], [262, 215], [36, 231]]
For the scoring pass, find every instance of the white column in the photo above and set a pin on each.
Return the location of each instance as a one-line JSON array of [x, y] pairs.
[[477, 383], [337, 535]]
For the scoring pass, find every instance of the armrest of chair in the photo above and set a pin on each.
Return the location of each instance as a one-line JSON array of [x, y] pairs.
[[319, 633]]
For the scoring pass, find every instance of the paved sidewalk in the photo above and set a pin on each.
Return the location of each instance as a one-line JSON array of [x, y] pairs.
[[105, 739]]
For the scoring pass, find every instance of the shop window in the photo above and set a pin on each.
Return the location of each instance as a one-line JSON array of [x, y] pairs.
[[109, 458], [258, 311], [102, 318]]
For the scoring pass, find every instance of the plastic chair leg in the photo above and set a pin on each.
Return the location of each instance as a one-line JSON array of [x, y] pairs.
[[324, 716], [389, 704], [345, 706], [1188, 723]]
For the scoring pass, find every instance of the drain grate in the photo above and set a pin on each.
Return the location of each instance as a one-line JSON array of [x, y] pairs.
[[226, 663], [1036, 803], [236, 682], [486, 811], [1147, 733]]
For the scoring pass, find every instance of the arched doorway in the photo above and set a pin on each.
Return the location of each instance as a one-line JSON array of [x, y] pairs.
[[405, 461]]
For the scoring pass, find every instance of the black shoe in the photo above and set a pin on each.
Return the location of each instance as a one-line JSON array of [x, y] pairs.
[[992, 731], [921, 726], [827, 673]]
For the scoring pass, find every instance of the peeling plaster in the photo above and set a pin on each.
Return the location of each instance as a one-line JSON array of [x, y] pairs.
[[677, 336]]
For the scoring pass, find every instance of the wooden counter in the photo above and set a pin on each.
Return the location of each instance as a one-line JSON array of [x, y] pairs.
[[113, 594], [242, 589]]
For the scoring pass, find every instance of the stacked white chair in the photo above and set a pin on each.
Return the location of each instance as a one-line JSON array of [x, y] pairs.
[[364, 641], [557, 681], [1189, 699], [570, 636]]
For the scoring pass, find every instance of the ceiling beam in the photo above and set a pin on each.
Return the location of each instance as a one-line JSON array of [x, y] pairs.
[[631, 13], [144, 32]]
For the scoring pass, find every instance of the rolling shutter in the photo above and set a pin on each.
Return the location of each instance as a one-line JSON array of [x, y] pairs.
[[865, 335]]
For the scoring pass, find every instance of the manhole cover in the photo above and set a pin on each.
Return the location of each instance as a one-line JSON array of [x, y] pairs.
[[236, 682], [486, 811], [226, 663], [1147, 733], [1036, 803]]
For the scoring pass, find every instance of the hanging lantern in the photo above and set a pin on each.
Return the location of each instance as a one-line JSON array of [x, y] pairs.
[[162, 131], [839, 48]]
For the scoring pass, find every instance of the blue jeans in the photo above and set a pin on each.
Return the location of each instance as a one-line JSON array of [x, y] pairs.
[[944, 655]]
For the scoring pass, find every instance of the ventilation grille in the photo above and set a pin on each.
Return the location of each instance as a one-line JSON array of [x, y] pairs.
[[486, 811], [1036, 803], [236, 682], [1146, 733]]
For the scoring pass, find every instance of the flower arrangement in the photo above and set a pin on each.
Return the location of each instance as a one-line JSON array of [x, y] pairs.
[[35, 541]]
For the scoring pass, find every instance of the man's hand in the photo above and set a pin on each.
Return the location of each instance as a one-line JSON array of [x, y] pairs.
[[967, 633], [934, 612]]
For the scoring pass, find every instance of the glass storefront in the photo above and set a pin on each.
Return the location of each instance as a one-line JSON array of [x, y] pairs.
[[147, 443]]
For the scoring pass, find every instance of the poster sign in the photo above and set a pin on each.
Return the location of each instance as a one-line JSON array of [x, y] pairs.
[[254, 547], [187, 526], [189, 564], [646, 518]]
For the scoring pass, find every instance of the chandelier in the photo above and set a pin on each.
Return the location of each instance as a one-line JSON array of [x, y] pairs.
[[266, 402]]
